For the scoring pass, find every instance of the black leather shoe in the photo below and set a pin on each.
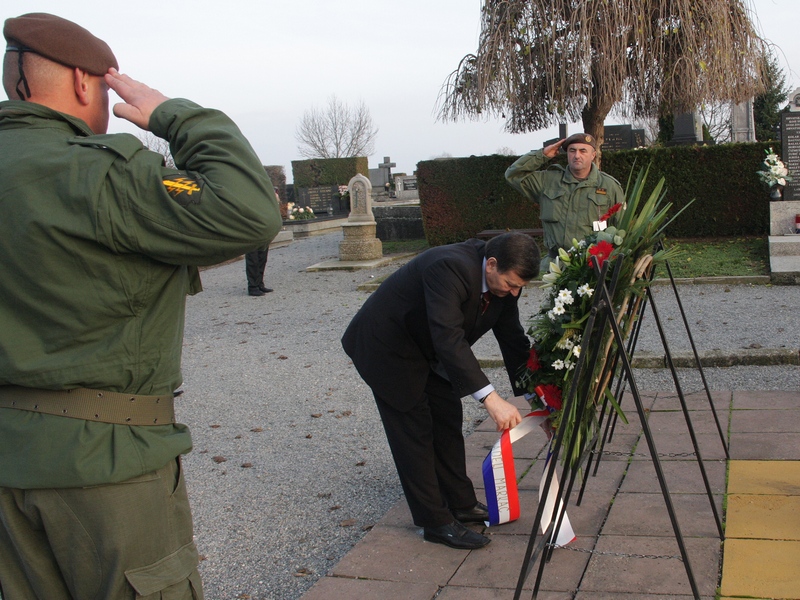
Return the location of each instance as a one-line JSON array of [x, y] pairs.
[[455, 535], [477, 514], [265, 289], [255, 292]]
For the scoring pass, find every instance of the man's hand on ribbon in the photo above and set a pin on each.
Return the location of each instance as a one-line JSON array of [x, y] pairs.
[[503, 413]]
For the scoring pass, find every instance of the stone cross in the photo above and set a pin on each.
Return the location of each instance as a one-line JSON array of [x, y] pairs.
[[386, 168]]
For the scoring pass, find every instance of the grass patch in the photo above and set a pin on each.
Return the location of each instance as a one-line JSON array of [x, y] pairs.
[[700, 257], [718, 257]]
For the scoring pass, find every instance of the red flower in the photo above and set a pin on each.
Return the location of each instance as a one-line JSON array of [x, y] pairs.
[[601, 251], [533, 361], [611, 212], [550, 395]]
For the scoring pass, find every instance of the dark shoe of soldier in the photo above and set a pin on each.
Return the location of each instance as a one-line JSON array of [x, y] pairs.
[[264, 289], [477, 514], [255, 292], [455, 535]]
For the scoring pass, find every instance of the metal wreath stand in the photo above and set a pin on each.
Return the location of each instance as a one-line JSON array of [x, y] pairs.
[[616, 357]]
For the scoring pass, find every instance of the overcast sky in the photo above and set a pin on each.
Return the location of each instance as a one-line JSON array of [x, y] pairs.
[[265, 62]]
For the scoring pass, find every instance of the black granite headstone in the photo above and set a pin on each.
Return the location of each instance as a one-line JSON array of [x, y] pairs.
[[618, 137], [790, 152]]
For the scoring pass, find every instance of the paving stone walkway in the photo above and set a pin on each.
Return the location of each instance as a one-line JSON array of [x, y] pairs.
[[626, 546]]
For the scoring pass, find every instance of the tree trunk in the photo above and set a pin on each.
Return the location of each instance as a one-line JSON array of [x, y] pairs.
[[594, 118]]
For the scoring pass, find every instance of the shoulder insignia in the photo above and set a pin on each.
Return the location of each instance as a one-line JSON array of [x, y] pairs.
[[183, 189]]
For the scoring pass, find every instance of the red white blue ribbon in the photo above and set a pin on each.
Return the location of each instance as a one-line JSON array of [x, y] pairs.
[[500, 480]]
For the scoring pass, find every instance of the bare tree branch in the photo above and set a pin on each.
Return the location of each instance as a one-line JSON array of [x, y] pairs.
[[157, 144], [337, 131]]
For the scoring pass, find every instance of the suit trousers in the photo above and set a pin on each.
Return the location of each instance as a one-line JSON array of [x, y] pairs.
[[254, 264], [427, 445], [122, 541]]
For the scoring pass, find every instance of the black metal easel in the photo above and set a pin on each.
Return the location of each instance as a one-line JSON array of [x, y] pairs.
[[600, 319]]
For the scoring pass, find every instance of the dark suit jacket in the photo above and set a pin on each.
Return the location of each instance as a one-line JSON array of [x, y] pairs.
[[426, 314]]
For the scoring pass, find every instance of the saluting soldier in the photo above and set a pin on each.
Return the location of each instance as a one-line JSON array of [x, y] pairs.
[[570, 199], [99, 246]]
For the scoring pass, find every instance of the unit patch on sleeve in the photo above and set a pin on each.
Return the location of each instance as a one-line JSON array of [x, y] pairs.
[[184, 190]]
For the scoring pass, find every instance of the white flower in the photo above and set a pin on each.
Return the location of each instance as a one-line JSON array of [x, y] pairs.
[[291, 217], [565, 297], [554, 268], [562, 254], [558, 365], [576, 351], [301, 210], [558, 309], [550, 315], [585, 290]]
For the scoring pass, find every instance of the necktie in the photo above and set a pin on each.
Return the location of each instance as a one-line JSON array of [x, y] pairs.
[[485, 301]]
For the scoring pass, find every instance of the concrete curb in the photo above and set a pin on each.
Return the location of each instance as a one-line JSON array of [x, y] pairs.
[[709, 358]]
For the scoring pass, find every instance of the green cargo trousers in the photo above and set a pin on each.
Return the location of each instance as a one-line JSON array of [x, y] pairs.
[[124, 541]]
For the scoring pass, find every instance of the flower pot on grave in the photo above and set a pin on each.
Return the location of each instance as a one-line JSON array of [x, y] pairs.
[[776, 192]]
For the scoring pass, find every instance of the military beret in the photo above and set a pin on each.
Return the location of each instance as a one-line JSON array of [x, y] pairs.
[[580, 138], [59, 40]]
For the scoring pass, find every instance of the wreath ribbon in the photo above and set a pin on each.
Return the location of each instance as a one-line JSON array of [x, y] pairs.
[[500, 480]]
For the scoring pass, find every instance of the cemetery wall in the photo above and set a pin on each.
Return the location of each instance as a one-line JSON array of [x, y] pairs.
[[460, 197]]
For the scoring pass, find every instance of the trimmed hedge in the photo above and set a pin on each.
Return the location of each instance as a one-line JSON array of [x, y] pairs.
[[328, 171], [460, 197]]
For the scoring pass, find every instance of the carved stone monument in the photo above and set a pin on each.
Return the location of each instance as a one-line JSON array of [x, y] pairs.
[[359, 241]]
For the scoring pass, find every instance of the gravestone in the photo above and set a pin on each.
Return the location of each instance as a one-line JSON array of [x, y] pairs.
[[790, 150], [617, 137], [743, 128], [405, 187], [321, 199], [360, 243], [688, 130], [794, 101]]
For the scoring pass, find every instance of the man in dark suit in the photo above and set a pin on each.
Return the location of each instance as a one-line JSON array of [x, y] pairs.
[[410, 342]]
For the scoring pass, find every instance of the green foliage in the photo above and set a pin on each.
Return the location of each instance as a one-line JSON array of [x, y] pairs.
[[767, 106], [723, 180], [460, 197], [328, 171]]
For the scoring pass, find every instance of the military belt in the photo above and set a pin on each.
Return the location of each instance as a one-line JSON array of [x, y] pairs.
[[91, 405]]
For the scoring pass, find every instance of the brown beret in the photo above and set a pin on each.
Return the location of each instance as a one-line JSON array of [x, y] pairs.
[[59, 40], [580, 138]]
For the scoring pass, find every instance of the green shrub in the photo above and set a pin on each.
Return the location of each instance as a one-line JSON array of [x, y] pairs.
[[317, 172], [460, 197]]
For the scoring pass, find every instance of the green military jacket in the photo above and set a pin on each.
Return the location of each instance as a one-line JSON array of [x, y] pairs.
[[567, 206], [99, 246]]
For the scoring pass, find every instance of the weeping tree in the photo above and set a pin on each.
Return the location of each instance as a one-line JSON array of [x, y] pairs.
[[540, 62]]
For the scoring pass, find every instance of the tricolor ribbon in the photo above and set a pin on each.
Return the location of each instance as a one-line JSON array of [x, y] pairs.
[[500, 480]]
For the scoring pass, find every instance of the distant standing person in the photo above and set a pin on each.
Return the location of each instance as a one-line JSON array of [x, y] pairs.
[[99, 246], [410, 342], [570, 200], [254, 264]]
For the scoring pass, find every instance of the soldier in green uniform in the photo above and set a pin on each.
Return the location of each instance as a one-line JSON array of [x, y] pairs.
[[99, 246], [570, 199]]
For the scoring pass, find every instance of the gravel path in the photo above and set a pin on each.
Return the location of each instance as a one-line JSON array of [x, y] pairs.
[[290, 466]]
